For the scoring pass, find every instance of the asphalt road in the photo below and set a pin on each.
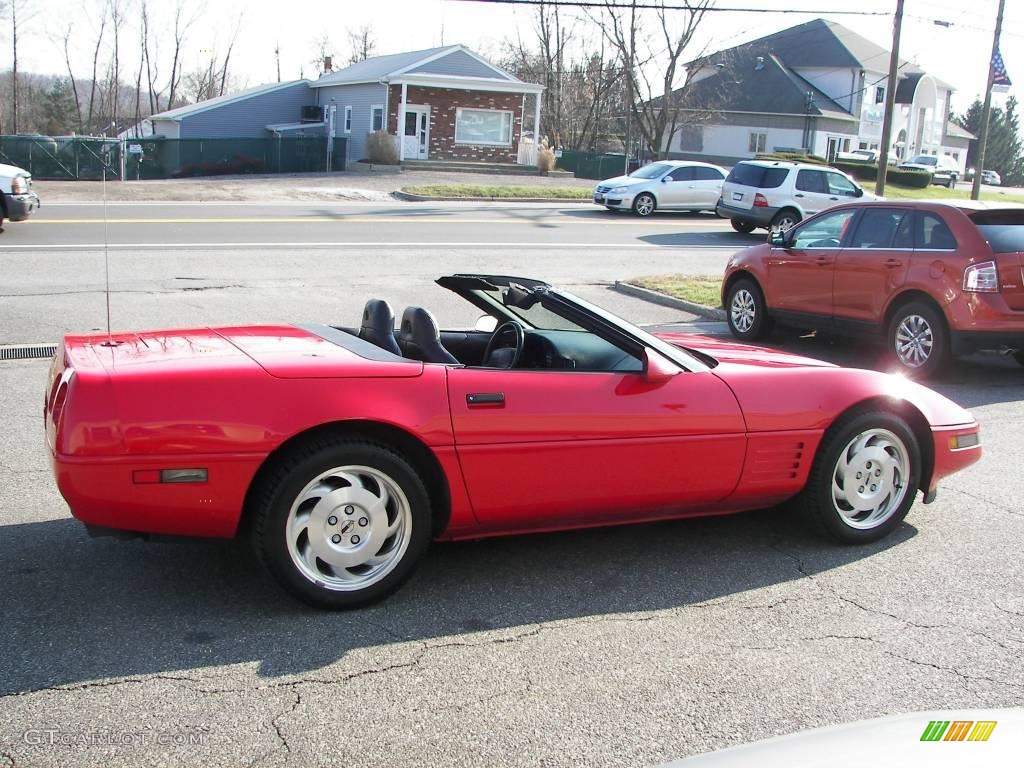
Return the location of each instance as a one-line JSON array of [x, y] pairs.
[[616, 647]]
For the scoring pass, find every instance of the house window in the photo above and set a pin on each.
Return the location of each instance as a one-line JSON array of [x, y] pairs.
[[862, 145], [483, 126], [879, 94], [377, 117], [348, 119], [758, 142]]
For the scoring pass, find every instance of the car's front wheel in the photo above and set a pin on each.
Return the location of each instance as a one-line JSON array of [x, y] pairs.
[[743, 227], [864, 478], [918, 340], [644, 204], [746, 311], [341, 523]]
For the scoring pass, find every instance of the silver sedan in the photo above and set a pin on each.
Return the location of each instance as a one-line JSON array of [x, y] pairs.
[[680, 185]]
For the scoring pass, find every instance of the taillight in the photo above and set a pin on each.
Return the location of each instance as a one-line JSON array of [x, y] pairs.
[[982, 278], [19, 186], [760, 201]]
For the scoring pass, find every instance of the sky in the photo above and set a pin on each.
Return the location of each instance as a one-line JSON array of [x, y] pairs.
[[957, 54]]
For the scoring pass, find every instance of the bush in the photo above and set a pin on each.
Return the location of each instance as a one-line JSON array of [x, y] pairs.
[[866, 172], [545, 156], [796, 157], [381, 149]]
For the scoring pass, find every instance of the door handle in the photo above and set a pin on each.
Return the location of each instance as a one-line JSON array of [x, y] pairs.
[[893, 263], [798, 194], [485, 398], [833, 198], [823, 261]]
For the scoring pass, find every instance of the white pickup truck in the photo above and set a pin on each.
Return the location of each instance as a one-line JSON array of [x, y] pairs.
[[17, 200]]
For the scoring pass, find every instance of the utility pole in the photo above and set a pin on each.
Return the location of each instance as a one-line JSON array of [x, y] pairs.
[[629, 84], [979, 161], [890, 101]]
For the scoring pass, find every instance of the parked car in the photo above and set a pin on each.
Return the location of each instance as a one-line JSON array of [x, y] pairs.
[[934, 279], [779, 194], [344, 451], [17, 198], [865, 156], [991, 177], [943, 169], [679, 185]]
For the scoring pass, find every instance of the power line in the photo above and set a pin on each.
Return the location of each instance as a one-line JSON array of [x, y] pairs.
[[651, 6]]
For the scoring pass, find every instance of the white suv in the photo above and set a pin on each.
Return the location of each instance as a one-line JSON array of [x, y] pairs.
[[17, 200], [777, 194]]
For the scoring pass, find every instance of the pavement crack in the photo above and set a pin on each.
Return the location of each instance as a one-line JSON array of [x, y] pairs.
[[977, 497], [962, 676]]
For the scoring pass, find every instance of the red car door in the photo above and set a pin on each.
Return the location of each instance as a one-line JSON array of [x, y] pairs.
[[800, 275], [872, 264], [547, 449]]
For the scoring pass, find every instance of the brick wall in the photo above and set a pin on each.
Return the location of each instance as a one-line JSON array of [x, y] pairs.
[[443, 102]]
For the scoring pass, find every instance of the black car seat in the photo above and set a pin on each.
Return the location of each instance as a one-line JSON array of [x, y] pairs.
[[420, 338], [378, 326]]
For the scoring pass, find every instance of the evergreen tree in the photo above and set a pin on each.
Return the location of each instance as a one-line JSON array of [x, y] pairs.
[[57, 112], [1004, 151]]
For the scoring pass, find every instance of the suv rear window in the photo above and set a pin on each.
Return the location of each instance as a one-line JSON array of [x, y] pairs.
[[757, 176], [1004, 230]]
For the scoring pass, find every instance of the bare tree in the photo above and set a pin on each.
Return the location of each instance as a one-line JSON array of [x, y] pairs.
[[95, 65], [181, 28], [651, 62], [362, 44], [117, 21], [71, 76], [324, 49], [21, 13]]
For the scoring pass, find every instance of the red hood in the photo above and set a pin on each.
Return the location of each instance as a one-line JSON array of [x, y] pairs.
[[744, 354]]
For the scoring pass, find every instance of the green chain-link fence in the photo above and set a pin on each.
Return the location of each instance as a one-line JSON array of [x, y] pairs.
[[76, 157], [588, 165]]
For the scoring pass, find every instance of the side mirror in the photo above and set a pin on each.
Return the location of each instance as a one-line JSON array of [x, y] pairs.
[[778, 238], [858, 192], [486, 323], [657, 368], [665, 179]]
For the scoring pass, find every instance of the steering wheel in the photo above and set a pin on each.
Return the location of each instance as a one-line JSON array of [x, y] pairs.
[[504, 355]]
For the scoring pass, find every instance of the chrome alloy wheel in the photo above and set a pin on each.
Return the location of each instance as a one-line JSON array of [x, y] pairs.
[[742, 310], [869, 481], [349, 528], [645, 205], [914, 341]]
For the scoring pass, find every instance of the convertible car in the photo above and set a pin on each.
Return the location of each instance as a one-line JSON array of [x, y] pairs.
[[343, 451]]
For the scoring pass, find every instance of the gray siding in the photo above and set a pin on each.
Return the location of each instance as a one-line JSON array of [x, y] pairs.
[[459, 64], [249, 117], [361, 98]]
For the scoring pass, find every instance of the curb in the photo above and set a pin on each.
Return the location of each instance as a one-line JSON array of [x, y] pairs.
[[411, 198], [655, 297]]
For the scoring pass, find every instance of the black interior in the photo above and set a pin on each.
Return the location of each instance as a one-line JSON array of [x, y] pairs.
[[419, 338]]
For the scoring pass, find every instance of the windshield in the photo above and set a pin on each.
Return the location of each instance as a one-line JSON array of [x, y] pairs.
[[652, 171], [925, 160]]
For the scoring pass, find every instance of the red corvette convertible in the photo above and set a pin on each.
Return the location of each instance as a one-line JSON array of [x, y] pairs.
[[344, 451]]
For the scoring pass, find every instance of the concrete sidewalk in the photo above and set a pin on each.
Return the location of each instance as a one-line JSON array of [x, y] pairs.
[[281, 187]]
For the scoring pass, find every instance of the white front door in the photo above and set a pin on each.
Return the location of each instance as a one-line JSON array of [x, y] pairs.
[[416, 134]]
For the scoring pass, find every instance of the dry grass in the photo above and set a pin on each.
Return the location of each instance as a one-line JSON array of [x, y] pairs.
[[700, 289], [489, 190]]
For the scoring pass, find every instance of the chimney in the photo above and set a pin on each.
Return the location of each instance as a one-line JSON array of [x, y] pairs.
[[327, 65]]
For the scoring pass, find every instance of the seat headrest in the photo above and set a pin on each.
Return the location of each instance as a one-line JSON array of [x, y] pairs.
[[420, 338], [378, 326]]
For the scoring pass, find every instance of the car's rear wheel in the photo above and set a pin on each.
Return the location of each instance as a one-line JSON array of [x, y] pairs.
[[746, 311], [341, 523], [644, 204], [918, 340], [743, 227], [785, 219], [864, 478]]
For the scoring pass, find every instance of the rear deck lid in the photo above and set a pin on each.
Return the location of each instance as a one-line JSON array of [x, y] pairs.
[[1004, 232]]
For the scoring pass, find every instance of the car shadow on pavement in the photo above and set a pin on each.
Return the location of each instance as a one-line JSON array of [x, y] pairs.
[[76, 609], [718, 238]]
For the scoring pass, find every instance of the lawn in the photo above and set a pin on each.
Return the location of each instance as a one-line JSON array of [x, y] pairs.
[[934, 192], [699, 289], [487, 190]]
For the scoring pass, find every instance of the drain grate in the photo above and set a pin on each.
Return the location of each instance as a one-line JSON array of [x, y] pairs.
[[27, 351]]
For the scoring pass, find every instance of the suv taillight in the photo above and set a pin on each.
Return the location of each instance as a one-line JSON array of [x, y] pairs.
[[760, 201], [982, 278], [19, 186]]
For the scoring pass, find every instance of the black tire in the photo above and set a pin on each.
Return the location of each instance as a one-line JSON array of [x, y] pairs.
[[746, 311], [834, 517], [1019, 356], [785, 219], [280, 488], [920, 331], [743, 227], [645, 204]]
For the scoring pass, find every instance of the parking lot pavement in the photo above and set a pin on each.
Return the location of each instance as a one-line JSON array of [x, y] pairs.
[[613, 647]]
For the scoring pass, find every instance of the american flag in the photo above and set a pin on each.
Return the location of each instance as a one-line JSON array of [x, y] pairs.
[[1000, 80]]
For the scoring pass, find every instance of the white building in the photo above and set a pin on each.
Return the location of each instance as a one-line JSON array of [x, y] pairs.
[[819, 87]]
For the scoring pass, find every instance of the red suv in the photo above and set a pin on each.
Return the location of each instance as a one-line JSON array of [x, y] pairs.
[[935, 279]]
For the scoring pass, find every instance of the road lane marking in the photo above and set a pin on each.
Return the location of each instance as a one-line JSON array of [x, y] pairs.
[[386, 219], [407, 244]]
